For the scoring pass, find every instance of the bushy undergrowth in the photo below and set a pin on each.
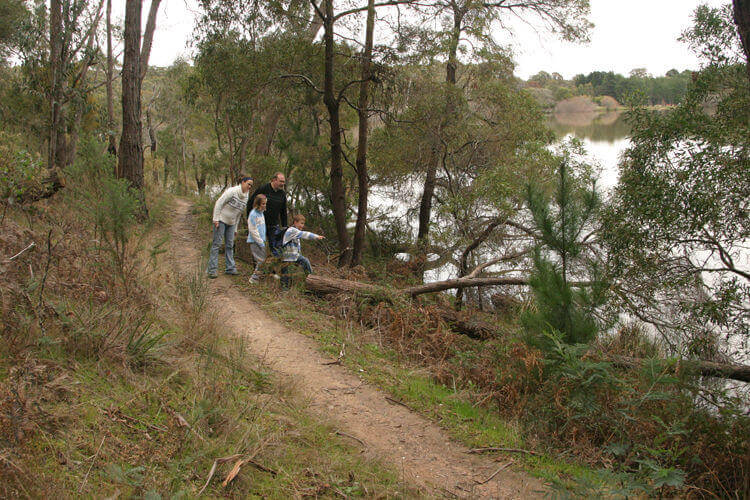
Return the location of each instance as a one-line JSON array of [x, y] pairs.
[[117, 379], [643, 428]]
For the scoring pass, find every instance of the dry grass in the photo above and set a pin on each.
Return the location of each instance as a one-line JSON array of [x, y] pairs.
[[136, 390]]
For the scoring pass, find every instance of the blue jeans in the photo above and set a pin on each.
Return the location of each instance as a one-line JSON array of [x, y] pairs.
[[303, 262], [226, 233]]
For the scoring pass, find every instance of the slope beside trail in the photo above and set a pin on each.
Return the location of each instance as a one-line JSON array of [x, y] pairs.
[[419, 449]]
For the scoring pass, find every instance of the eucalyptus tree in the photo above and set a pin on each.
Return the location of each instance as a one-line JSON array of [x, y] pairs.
[[678, 228], [451, 27], [57, 45], [134, 66], [495, 142]]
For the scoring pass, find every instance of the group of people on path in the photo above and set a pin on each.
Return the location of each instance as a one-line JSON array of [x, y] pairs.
[[266, 218]]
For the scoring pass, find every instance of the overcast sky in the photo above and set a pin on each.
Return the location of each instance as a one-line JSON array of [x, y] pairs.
[[627, 34]]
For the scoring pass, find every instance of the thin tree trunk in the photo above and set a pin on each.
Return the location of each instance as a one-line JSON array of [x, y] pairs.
[[151, 132], [425, 204], [362, 104], [55, 64], [338, 195], [131, 148], [112, 147], [166, 170], [742, 20], [148, 37], [72, 145]]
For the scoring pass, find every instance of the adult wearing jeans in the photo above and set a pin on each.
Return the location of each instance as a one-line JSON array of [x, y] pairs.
[[275, 214], [227, 212]]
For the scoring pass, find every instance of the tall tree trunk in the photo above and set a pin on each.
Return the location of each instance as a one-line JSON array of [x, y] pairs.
[[151, 132], [56, 81], [338, 195], [166, 170], [72, 145], [112, 143], [742, 20], [425, 205], [131, 148], [148, 37], [362, 104]]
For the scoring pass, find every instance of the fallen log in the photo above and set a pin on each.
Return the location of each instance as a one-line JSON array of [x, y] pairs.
[[322, 285], [482, 331], [439, 286], [696, 367]]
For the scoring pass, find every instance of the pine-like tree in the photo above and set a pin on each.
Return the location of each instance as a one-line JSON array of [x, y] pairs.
[[563, 307]]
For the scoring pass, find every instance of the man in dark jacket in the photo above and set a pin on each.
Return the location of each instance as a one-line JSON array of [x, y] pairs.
[[275, 214]]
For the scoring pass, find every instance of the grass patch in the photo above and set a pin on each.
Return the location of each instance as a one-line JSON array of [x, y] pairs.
[[454, 409], [139, 400]]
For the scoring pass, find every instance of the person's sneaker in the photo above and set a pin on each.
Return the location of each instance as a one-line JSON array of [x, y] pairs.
[[213, 275], [276, 276], [253, 280], [231, 273]]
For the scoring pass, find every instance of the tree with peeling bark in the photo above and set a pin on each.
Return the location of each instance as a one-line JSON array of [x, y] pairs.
[[363, 181]]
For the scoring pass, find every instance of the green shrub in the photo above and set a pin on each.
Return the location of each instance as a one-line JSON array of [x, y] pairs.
[[19, 169]]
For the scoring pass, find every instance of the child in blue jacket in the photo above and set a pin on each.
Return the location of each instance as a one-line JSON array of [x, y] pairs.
[[256, 234]]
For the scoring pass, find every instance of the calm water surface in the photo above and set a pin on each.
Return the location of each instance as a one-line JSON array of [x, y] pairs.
[[604, 135]]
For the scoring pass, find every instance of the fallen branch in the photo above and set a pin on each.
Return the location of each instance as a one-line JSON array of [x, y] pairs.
[[31, 245], [502, 467], [480, 330], [86, 477], [262, 467], [233, 473], [339, 433], [439, 286], [213, 468], [324, 285], [505, 450], [397, 402]]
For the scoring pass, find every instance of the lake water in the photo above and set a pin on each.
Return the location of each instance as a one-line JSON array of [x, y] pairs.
[[604, 135]]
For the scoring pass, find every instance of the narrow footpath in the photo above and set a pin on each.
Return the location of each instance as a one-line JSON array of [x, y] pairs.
[[418, 448]]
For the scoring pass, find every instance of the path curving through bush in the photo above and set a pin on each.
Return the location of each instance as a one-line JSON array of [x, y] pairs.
[[419, 449]]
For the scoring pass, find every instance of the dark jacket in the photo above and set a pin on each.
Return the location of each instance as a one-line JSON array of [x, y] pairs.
[[275, 213]]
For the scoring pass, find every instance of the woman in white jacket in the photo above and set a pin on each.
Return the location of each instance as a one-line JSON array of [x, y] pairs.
[[227, 212]]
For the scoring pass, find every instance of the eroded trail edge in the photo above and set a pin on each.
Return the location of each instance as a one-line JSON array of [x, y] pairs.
[[418, 448]]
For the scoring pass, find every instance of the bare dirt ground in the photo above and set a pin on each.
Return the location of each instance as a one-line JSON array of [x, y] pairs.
[[418, 448]]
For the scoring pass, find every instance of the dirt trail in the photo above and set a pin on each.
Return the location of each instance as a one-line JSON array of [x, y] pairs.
[[392, 433]]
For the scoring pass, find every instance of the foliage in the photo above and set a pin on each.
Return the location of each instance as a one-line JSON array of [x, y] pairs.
[[678, 228], [563, 308], [668, 89], [19, 169], [111, 207], [494, 141], [12, 16]]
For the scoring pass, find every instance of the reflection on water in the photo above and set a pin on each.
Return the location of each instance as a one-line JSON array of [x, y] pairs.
[[608, 127], [604, 135]]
